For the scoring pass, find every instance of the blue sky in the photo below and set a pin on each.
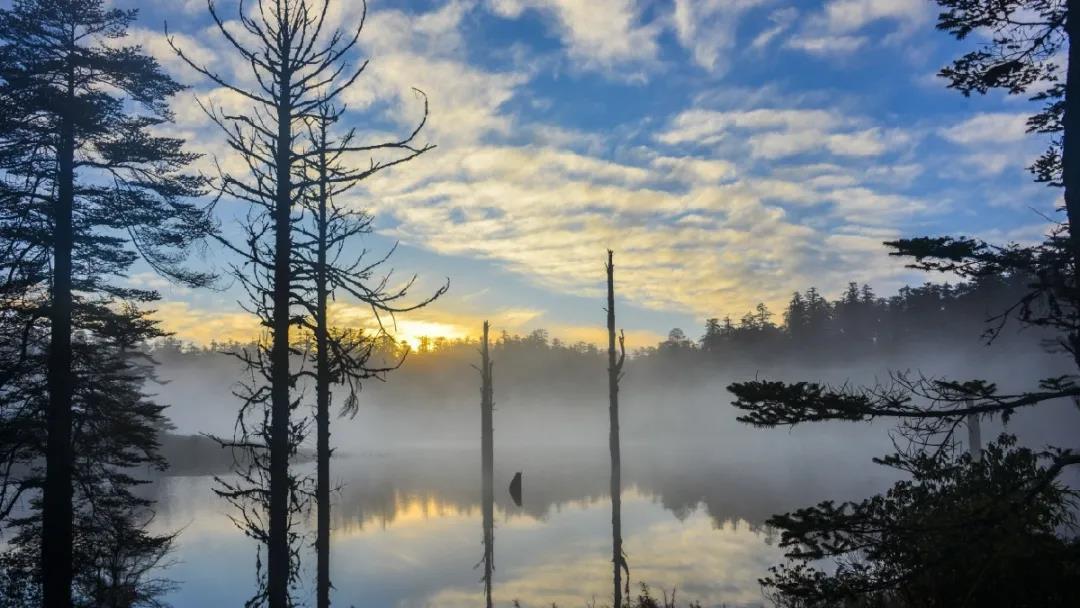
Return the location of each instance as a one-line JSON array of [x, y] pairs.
[[729, 151]]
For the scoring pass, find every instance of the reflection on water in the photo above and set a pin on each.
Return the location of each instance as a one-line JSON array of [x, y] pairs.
[[407, 528]]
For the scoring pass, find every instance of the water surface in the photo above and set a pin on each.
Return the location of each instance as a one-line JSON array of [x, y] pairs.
[[407, 526]]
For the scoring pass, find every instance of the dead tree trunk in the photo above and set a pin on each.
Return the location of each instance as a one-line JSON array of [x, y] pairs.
[[615, 365], [322, 389], [487, 462]]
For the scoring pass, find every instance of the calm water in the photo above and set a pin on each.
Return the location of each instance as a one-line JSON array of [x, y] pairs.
[[407, 526]]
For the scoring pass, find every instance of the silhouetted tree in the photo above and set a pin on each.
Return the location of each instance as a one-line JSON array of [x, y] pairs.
[[1026, 35], [487, 462], [713, 339], [341, 356], [1024, 52], [296, 67], [615, 366], [115, 436], [96, 188], [954, 534]]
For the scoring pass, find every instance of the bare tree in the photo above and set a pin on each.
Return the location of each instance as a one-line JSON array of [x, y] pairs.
[[296, 66], [615, 366], [487, 462], [320, 271]]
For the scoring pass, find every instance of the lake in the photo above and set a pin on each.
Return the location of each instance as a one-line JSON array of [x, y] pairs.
[[407, 524]]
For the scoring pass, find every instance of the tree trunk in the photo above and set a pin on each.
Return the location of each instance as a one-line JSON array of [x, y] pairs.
[[974, 437], [57, 510], [322, 390], [1070, 150], [614, 369], [487, 463], [277, 550]]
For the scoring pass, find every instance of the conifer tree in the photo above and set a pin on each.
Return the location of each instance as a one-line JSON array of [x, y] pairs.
[[96, 188]]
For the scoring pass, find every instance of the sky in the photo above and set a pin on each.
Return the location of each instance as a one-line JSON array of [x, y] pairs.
[[729, 151]]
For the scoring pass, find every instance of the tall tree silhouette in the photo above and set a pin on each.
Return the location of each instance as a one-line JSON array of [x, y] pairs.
[[616, 359], [100, 190], [487, 462], [297, 67], [115, 438], [341, 356], [1027, 37]]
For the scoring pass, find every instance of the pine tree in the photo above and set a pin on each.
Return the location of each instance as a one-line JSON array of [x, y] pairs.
[[115, 439], [97, 189]]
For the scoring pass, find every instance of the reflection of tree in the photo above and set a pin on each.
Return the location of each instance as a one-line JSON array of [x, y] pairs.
[[381, 490]]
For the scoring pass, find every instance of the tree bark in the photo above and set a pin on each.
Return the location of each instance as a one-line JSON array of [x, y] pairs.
[[57, 509], [277, 549], [614, 370]]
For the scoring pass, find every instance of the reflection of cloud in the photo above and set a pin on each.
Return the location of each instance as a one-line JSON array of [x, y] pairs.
[[706, 563]]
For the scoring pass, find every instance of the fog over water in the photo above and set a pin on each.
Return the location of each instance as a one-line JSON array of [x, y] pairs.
[[698, 484]]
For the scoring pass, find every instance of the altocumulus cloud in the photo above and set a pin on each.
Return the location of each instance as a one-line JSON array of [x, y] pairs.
[[719, 186]]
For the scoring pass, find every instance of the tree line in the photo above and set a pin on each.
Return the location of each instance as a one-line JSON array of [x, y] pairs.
[[856, 327]]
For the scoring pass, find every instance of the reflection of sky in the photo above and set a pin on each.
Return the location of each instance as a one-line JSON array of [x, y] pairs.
[[424, 555]]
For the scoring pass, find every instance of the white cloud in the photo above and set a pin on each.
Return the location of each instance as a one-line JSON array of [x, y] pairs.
[[782, 20], [779, 133], [826, 44], [852, 15], [707, 28], [598, 34], [988, 128], [836, 30], [718, 240]]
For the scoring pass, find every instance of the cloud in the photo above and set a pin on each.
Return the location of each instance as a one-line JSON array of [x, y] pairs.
[[853, 15], [780, 133], [598, 34], [427, 52], [206, 325], [711, 212], [825, 44], [988, 128], [707, 28], [837, 29], [782, 20], [692, 235]]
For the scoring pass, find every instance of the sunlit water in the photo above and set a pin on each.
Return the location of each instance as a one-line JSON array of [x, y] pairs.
[[407, 528]]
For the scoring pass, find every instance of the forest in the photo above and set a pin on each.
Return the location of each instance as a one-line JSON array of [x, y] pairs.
[[228, 236]]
